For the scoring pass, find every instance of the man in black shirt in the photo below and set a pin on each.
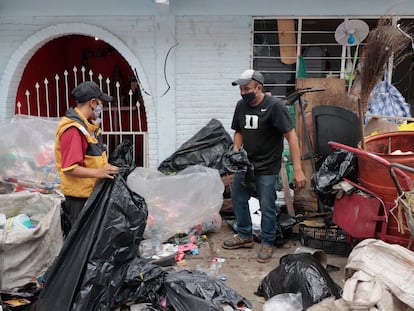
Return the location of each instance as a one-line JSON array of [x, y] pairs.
[[261, 122]]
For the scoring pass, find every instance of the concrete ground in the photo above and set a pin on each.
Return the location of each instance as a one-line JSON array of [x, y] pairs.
[[242, 271]]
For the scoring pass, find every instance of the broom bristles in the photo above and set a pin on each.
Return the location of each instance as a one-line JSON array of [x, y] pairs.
[[383, 42]]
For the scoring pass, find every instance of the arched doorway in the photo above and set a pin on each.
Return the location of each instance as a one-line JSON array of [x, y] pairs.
[[59, 65], [59, 39]]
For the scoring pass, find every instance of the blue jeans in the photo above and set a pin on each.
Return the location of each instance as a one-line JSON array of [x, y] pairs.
[[266, 191]]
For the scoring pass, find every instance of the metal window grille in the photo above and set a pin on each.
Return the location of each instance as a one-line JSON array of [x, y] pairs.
[[313, 44]]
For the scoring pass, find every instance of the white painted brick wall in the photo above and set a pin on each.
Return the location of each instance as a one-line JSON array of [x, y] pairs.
[[212, 52]]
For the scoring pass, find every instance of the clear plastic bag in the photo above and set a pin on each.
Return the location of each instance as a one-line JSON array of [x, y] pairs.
[[27, 152], [178, 202], [285, 302]]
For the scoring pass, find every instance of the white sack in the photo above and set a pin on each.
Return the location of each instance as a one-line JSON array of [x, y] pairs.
[[25, 254], [391, 264]]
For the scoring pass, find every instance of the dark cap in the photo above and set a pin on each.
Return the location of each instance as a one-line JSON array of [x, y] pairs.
[[87, 90], [247, 76]]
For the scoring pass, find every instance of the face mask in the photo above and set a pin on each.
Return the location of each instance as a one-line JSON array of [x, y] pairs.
[[97, 112], [249, 97]]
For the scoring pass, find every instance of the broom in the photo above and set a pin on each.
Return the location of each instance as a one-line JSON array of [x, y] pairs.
[[383, 42]]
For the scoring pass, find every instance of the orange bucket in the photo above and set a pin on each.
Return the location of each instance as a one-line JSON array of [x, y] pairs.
[[375, 176]]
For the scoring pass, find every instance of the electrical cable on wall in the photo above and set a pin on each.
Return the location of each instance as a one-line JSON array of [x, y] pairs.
[[165, 69], [139, 82]]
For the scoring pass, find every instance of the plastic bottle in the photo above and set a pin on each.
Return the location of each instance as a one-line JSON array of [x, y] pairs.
[[156, 241], [213, 269]]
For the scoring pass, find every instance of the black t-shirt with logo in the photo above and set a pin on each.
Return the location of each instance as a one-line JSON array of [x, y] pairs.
[[263, 127]]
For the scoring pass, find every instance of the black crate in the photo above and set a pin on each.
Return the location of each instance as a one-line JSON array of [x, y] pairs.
[[332, 240]]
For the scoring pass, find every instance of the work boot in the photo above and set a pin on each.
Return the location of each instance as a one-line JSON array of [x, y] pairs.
[[265, 253], [238, 242]]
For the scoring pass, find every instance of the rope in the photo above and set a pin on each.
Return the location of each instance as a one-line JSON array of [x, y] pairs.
[[406, 207]]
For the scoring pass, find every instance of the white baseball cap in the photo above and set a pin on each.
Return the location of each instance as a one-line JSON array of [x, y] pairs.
[[247, 76]]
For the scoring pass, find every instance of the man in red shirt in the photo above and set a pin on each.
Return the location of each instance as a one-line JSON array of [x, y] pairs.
[[80, 154]]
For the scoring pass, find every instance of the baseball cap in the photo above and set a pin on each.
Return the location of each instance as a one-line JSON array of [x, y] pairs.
[[87, 90], [247, 76]]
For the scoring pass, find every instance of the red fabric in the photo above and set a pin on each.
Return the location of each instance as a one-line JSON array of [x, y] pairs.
[[73, 147]]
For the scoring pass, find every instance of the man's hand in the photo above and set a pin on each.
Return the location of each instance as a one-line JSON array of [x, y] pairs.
[[299, 179], [108, 171]]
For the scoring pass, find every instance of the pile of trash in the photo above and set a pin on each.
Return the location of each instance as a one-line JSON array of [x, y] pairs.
[[100, 267], [377, 277]]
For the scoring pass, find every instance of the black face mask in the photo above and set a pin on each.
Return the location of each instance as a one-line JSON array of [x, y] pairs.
[[249, 97]]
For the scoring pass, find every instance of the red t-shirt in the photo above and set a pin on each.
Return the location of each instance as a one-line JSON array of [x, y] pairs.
[[73, 147]]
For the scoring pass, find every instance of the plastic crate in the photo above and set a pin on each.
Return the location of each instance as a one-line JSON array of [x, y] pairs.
[[332, 240]]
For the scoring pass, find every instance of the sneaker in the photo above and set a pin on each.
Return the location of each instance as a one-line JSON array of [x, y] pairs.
[[265, 253], [238, 242]]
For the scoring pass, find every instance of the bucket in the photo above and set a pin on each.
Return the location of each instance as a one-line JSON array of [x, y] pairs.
[[387, 144], [374, 175]]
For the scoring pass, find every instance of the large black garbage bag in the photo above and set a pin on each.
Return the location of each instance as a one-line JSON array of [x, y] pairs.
[[91, 267], [206, 147], [143, 283], [337, 164], [189, 290], [302, 273]]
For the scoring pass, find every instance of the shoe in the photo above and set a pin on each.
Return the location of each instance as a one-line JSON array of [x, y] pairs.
[[265, 253], [238, 242]]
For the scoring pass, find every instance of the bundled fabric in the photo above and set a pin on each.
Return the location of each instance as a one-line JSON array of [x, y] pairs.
[[381, 279], [391, 265], [386, 100]]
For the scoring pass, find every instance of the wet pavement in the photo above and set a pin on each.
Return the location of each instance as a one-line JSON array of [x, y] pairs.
[[240, 269]]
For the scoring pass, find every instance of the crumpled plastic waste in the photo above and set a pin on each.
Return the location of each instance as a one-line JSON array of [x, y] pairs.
[[238, 162]]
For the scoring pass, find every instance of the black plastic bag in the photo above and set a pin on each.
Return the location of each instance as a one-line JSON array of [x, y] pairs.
[[206, 147], [337, 164], [302, 273], [143, 283], [190, 290], [93, 262], [238, 162]]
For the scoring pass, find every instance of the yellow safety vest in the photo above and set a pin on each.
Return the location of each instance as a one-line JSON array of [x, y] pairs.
[[95, 156]]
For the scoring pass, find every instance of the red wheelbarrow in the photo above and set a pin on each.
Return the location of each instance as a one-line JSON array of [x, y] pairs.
[[373, 211]]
